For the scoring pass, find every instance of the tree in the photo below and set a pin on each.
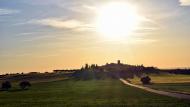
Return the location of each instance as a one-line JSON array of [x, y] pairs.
[[6, 85], [24, 85], [146, 80], [86, 66]]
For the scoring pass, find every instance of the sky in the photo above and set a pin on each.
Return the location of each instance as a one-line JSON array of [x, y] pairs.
[[42, 35]]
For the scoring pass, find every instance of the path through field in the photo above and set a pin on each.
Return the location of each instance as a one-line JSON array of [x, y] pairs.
[[170, 94]]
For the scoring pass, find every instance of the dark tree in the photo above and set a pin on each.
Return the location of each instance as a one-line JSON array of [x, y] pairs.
[[24, 85], [146, 80], [6, 85], [86, 66]]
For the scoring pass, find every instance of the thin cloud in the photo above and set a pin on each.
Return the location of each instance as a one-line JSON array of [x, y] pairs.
[[31, 39], [63, 24], [24, 34], [57, 23], [8, 11], [185, 2]]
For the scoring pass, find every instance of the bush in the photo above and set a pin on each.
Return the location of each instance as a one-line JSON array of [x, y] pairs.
[[146, 80], [24, 85], [6, 85]]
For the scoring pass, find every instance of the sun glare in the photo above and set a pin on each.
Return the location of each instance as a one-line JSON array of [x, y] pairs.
[[116, 20]]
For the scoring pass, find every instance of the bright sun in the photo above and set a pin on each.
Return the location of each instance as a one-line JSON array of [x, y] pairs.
[[116, 20]]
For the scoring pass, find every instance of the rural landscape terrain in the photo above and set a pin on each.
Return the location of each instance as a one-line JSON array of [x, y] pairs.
[[94, 85], [94, 53]]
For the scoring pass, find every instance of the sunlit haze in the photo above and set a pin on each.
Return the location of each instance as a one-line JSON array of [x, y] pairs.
[[43, 35], [117, 20]]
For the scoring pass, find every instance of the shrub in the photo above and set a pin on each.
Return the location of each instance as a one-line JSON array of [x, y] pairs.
[[146, 80], [6, 85], [24, 85]]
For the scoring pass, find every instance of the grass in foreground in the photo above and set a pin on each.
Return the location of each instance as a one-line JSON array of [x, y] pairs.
[[85, 93]]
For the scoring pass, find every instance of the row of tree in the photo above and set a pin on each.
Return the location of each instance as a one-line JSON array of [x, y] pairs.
[[177, 71], [113, 71]]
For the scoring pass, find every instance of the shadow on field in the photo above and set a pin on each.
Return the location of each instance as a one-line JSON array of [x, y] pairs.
[[15, 90]]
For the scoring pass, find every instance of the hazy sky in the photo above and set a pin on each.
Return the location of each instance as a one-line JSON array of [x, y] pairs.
[[42, 35]]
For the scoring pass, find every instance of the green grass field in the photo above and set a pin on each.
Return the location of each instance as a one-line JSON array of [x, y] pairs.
[[168, 82], [73, 93], [174, 87], [165, 78]]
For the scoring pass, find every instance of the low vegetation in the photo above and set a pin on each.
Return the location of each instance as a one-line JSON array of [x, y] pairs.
[[24, 85], [145, 80], [72, 93], [6, 86]]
